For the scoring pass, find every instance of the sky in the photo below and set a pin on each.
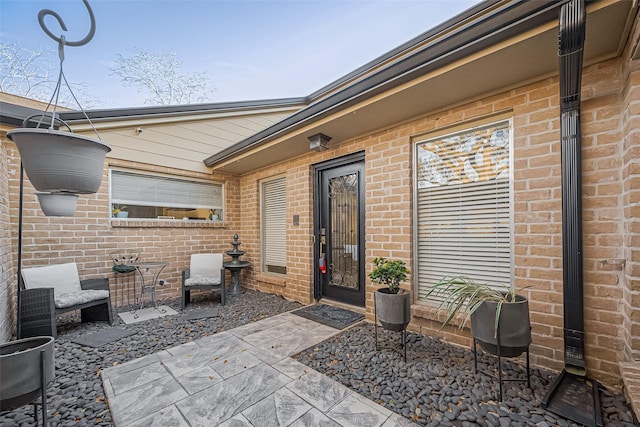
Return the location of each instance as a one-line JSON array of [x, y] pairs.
[[250, 50]]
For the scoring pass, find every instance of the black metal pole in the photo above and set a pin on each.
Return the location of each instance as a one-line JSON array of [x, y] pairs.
[[19, 279]]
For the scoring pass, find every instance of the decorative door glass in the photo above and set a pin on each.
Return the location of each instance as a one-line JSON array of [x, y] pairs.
[[343, 209]]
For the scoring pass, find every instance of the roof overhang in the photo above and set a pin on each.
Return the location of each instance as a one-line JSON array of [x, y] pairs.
[[13, 115], [119, 117], [490, 48]]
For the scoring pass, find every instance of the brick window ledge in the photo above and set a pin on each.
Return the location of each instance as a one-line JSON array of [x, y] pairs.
[[165, 223], [424, 311]]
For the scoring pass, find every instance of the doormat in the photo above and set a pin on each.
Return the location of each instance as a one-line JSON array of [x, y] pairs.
[[335, 317], [102, 337], [129, 317], [202, 314]]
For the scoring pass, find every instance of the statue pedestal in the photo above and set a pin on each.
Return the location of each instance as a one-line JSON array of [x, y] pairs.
[[235, 267]]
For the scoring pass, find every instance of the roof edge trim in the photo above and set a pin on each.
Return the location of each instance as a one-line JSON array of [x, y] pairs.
[[500, 23]]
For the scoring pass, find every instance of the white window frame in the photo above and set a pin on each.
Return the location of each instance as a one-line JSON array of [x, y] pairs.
[[172, 204], [267, 245], [430, 277]]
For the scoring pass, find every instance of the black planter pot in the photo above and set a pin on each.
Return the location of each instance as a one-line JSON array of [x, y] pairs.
[[393, 311], [20, 370], [514, 327]]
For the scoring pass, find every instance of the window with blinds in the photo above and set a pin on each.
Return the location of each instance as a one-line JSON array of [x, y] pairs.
[[165, 197], [464, 208], [273, 202]]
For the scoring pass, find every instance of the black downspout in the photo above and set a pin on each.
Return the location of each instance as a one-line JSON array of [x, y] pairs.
[[571, 45], [572, 395]]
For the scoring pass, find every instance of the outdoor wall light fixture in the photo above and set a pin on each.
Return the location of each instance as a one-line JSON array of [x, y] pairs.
[[59, 164], [319, 142]]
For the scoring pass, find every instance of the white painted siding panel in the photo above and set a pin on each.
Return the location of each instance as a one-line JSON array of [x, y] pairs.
[[184, 145]]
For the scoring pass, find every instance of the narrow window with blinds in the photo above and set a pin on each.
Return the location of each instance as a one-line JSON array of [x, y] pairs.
[[463, 206], [136, 195], [273, 206]]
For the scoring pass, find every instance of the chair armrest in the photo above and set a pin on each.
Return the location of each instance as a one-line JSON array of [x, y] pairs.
[[36, 313], [186, 274], [99, 284]]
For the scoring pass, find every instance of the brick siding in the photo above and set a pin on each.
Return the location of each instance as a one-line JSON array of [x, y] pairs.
[[630, 169], [91, 235], [611, 199], [7, 271], [534, 109]]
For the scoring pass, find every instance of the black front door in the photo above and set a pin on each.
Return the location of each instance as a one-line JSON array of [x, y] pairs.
[[340, 232]]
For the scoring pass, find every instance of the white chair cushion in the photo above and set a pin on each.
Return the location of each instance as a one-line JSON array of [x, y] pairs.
[[206, 266], [202, 281], [68, 299], [63, 278]]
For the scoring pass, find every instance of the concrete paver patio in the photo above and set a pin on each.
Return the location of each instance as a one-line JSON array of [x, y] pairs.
[[241, 377]]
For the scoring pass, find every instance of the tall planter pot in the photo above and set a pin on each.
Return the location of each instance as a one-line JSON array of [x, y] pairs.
[[514, 327], [57, 161], [393, 310], [20, 370]]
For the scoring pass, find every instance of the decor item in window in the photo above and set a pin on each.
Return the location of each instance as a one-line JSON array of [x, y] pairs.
[[392, 304], [119, 211], [214, 215], [490, 310]]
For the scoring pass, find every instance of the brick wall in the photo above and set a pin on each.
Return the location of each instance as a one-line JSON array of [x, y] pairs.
[[7, 272], [610, 189], [91, 235], [534, 109], [631, 201]]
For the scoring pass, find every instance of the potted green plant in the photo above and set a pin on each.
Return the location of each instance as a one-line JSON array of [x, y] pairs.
[[392, 303], [490, 309]]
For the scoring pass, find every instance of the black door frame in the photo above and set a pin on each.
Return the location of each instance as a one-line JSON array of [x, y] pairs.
[[317, 207]]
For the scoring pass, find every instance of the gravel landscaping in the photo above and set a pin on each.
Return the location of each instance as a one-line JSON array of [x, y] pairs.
[[435, 387]]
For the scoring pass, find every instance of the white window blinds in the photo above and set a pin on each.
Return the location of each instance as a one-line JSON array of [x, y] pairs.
[[464, 207], [274, 223], [151, 190]]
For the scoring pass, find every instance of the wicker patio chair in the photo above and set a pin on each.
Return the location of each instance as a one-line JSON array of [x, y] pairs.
[[49, 291], [205, 272]]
